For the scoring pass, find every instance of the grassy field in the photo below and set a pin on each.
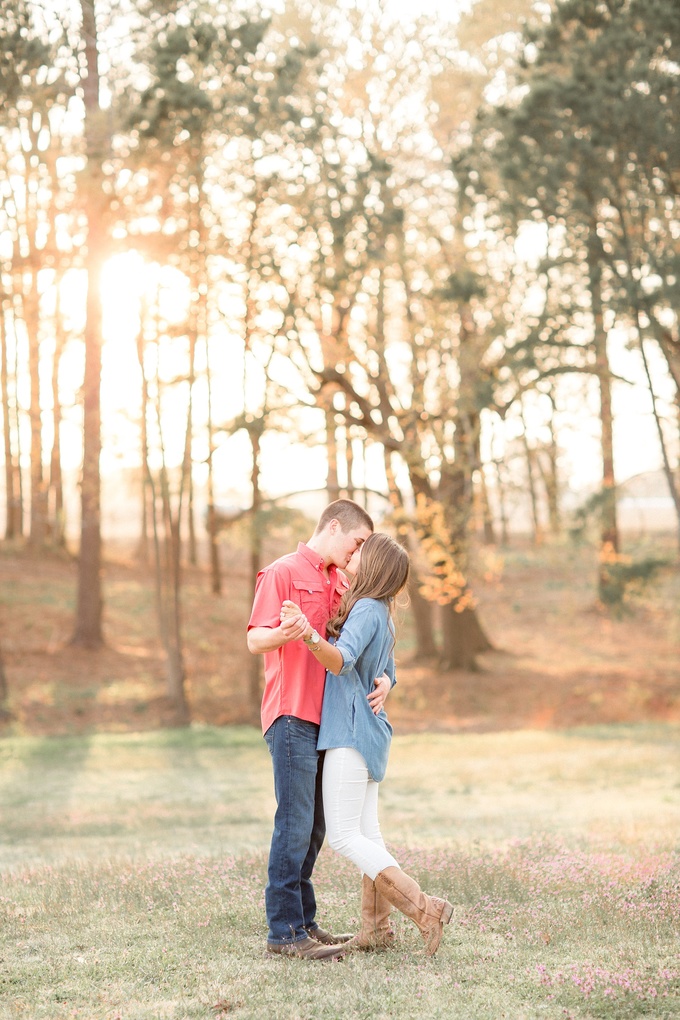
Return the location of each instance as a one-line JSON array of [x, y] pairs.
[[132, 868]]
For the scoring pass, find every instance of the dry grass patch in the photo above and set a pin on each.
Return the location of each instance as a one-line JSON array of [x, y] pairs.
[[134, 867]]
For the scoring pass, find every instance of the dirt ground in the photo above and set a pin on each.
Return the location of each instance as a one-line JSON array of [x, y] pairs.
[[560, 660]]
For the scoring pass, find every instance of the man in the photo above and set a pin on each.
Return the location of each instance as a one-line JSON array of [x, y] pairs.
[[291, 711]]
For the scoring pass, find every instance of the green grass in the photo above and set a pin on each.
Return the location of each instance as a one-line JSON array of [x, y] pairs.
[[133, 868]]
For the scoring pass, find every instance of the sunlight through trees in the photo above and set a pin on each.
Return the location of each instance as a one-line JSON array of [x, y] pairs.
[[422, 259]]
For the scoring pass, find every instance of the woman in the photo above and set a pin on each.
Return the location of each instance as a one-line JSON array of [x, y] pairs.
[[357, 742]]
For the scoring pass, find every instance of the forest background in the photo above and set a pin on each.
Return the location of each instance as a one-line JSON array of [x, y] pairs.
[[258, 256]]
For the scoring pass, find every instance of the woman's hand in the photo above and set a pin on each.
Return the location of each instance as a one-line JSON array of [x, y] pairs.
[[289, 608]]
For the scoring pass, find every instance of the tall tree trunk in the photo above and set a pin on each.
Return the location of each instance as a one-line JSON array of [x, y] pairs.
[[423, 621], [191, 521], [550, 476], [609, 532], [332, 480], [19, 489], [349, 463], [421, 609], [187, 460], [146, 496], [498, 463], [531, 480], [462, 634], [38, 522], [167, 576], [174, 642], [11, 522], [171, 616], [609, 528], [488, 530], [215, 568], [88, 628], [463, 637], [673, 489], [502, 504], [197, 323], [166, 525], [146, 491], [56, 487]]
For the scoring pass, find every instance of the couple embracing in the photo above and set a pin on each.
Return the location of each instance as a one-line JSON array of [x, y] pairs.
[[327, 732]]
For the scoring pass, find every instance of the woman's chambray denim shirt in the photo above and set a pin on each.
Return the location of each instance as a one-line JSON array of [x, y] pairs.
[[347, 720]]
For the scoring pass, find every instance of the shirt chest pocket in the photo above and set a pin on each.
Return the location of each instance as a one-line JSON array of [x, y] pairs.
[[312, 598]]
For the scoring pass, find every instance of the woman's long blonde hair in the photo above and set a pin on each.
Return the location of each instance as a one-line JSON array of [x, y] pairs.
[[383, 572]]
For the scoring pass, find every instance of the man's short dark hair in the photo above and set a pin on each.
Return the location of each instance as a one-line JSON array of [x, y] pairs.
[[348, 513]]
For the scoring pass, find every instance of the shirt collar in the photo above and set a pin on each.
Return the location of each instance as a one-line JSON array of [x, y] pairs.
[[335, 576], [311, 556]]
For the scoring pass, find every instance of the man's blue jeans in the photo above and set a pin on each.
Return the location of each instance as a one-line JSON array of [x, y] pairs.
[[299, 828]]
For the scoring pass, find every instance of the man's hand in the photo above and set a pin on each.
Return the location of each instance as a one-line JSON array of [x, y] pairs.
[[294, 624], [294, 628], [377, 697]]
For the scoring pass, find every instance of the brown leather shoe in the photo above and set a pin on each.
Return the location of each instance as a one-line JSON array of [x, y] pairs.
[[325, 937], [306, 949]]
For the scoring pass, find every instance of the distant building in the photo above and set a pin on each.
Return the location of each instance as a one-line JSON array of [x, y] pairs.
[[645, 504]]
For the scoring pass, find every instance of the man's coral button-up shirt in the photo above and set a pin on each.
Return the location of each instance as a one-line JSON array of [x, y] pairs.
[[294, 680]]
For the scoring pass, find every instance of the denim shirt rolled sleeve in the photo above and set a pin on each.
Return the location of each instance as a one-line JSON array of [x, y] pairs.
[[360, 627], [347, 719]]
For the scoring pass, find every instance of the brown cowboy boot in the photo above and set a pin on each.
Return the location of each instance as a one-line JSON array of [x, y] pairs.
[[429, 913], [376, 932]]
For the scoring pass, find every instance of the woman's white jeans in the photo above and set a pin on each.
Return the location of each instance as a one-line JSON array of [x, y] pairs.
[[350, 804]]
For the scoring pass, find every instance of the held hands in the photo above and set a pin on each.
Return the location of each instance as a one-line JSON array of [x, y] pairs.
[[294, 624], [296, 627]]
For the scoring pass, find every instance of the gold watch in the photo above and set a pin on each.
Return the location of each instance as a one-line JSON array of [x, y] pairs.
[[313, 642]]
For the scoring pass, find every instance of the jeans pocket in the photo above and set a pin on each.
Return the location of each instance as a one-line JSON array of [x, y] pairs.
[[302, 740], [270, 738]]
